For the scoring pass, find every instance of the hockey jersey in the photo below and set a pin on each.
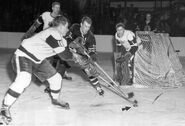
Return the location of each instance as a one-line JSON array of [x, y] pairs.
[[42, 45], [127, 40], [45, 19], [89, 43]]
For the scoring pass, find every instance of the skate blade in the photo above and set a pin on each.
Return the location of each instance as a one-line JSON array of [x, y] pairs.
[[63, 107], [66, 106]]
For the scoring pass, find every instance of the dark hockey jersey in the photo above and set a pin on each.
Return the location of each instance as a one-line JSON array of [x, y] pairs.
[[89, 43]]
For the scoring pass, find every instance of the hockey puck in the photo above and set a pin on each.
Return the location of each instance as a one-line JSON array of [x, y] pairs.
[[126, 108]]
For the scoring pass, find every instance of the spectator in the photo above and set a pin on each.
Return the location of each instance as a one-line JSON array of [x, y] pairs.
[[162, 25], [148, 24]]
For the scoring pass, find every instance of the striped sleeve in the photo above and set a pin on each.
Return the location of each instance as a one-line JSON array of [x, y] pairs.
[[54, 43]]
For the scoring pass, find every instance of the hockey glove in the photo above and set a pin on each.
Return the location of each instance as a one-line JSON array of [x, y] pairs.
[[94, 57], [77, 44], [31, 30]]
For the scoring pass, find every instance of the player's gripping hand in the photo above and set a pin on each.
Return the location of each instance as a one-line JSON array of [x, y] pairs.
[[94, 57]]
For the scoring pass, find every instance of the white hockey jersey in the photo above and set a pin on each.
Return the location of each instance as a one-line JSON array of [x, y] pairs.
[[47, 19], [126, 40], [42, 45]]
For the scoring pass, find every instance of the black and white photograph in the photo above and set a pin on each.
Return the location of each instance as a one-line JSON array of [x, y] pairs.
[[92, 63]]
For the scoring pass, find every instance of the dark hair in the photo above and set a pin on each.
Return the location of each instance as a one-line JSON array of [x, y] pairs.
[[55, 3], [59, 20], [120, 25], [87, 19]]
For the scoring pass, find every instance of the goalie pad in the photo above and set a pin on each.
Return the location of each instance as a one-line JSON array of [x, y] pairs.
[[121, 68], [124, 58]]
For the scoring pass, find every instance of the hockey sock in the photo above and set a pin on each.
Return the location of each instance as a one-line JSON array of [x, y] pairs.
[[55, 93], [10, 97], [22, 80], [55, 83], [94, 81]]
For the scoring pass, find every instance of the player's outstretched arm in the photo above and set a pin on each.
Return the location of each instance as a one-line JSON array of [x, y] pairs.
[[32, 29]]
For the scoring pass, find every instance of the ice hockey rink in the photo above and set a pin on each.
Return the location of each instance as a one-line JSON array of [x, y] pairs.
[[87, 108]]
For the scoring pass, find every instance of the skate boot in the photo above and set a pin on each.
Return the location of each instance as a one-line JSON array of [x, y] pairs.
[[60, 103], [99, 90], [5, 115], [67, 77], [47, 90]]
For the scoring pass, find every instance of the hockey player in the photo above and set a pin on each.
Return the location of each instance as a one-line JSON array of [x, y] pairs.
[[30, 58], [126, 39], [81, 34], [46, 19], [83, 30]]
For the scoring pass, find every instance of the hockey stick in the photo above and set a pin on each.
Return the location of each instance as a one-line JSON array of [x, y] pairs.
[[101, 69], [112, 81], [114, 84], [115, 89]]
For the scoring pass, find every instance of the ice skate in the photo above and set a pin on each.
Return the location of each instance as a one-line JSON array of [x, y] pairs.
[[47, 90], [66, 76], [60, 103], [5, 115], [99, 90]]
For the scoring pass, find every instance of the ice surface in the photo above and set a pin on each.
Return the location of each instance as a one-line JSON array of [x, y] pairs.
[[34, 108]]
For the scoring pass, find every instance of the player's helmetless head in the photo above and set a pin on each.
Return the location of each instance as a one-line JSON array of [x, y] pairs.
[[86, 23], [120, 28], [56, 7], [61, 23]]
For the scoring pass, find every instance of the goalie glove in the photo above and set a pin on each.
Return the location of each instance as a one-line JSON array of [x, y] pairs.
[[124, 58]]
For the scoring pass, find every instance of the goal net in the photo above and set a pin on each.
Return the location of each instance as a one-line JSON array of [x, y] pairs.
[[156, 63]]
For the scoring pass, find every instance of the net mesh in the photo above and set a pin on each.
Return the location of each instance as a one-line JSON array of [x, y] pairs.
[[156, 63]]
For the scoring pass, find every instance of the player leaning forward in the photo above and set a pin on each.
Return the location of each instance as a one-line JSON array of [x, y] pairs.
[[130, 42], [30, 58], [83, 30]]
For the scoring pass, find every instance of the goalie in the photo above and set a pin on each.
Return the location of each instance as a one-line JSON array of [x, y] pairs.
[[127, 40]]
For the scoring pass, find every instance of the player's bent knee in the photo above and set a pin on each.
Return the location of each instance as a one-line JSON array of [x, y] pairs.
[[55, 81], [22, 80]]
